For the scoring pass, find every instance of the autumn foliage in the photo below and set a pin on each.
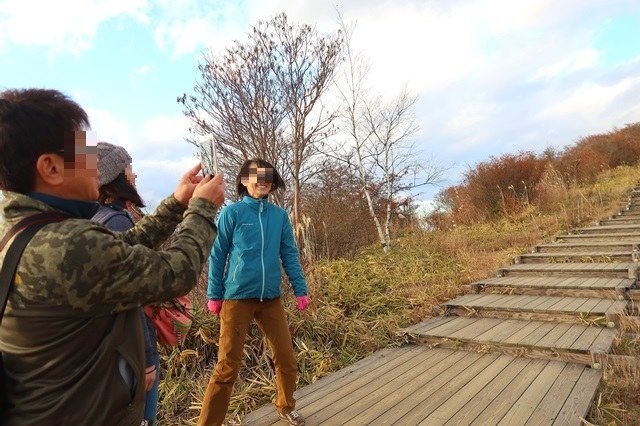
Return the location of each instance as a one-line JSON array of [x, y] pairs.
[[508, 184]]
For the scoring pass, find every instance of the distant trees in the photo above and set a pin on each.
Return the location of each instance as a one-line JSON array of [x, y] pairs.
[[379, 142], [261, 98], [267, 97], [508, 184]]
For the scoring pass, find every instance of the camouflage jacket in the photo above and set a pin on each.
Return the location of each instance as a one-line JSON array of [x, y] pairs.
[[70, 332]]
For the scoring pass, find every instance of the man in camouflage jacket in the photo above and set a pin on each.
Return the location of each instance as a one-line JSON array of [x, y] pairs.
[[71, 337]]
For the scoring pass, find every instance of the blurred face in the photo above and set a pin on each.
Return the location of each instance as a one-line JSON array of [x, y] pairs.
[[259, 181], [131, 177], [81, 167]]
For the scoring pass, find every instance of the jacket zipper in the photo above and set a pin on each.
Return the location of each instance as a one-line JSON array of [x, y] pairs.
[[261, 248]]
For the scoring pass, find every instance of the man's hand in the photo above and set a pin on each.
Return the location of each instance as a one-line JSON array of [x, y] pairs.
[[187, 184], [211, 188], [192, 184]]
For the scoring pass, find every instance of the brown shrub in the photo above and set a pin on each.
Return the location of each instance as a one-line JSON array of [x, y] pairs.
[[501, 185], [338, 213]]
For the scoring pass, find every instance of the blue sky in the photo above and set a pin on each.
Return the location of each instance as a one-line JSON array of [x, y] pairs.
[[492, 76]]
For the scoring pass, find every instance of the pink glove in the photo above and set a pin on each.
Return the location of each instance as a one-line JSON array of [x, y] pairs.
[[302, 302], [215, 306]]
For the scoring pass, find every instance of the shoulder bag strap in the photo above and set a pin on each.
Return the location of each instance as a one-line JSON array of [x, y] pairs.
[[25, 229]]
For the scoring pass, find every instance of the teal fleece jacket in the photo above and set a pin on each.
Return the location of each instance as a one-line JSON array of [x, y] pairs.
[[254, 239]]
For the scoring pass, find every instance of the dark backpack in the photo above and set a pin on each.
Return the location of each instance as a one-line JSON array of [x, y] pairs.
[[104, 214]]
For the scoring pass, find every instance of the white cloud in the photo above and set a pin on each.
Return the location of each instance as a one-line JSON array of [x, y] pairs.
[[588, 101], [578, 61], [64, 25], [164, 131], [110, 128], [158, 179], [143, 70], [184, 27]]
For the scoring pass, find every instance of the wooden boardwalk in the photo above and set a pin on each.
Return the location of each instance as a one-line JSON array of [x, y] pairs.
[[524, 348]]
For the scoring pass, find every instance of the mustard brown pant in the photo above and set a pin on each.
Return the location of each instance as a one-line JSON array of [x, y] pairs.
[[235, 319]]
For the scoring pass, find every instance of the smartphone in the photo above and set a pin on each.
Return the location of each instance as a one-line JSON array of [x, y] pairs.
[[208, 144]]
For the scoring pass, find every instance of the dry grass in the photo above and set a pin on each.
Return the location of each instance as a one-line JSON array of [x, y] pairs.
[[359, 305]]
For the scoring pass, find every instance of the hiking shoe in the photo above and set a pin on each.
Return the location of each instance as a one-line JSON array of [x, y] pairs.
[[293, 418]]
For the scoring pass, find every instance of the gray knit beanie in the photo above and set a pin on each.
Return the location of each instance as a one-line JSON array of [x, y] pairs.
[[112, 160]]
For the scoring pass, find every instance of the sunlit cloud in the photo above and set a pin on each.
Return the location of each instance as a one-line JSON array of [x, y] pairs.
[[62, 26]]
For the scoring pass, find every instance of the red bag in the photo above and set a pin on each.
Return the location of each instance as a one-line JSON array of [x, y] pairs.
[[172, 320]]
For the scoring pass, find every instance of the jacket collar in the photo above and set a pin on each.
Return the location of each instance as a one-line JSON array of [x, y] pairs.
[[255, 202], [76, 208]]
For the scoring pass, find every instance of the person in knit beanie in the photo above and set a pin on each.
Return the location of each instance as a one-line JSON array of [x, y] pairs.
[[120, 208], [112, 160]]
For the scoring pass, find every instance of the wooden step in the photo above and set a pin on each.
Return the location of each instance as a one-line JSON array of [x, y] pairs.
[[612, 288], [543, 308], [447, 387], [633, 237], [626, 215], [622, 220], [610, 229], [538, 339], [595, 270], [632, 207], [578, 257], [579, 246]]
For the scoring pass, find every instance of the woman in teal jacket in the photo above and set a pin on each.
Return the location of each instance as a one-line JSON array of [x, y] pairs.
[[254, 240]]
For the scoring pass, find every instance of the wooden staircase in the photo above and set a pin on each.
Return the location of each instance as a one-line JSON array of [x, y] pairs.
[[523, 348]]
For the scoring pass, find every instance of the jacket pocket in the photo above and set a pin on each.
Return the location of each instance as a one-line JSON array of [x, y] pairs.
[[127, 375], [235, 269]]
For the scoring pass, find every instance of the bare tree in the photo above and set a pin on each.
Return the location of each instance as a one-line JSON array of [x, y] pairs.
[[262, 98], [382, 147]]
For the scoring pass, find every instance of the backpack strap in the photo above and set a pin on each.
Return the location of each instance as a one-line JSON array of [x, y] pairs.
[[25, 230], [104, 214]]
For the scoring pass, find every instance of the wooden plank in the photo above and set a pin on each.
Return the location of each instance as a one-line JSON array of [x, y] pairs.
[[367, 398], [538, 333], [586, 339], [575, 303], [614, 306], [429, 324], [569, 337], [531, 397], [561, 304], [393, 404], [502, 402], [493, 300], [544, 304], [547, 411], [521, 334], [469, 411], [579, 400], [447, 408], [504, 301], [429, 398], [362, 367], [466, 299], [553, 335], [589, 282], [516, 300], [589, 306], [350, 372], [448, 327], [365, 376], [476, 327], [603, 342], [503, 331]]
